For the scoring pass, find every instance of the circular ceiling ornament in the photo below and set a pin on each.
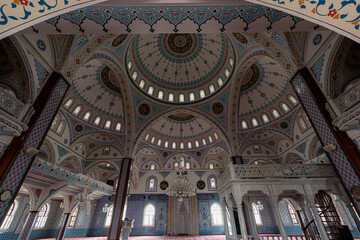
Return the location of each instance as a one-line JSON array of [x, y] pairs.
[[284, 125], [218, 108], [180, 68], [78, 128], [119, 40], [164, 185], [144, 109], [200, 184]]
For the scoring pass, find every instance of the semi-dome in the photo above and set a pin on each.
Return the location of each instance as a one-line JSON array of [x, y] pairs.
[[180, 68]]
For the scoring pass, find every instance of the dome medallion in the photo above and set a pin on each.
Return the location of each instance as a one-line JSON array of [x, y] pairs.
[[180, 68]]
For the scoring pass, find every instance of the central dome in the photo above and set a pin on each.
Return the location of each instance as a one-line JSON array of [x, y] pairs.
[[180, 68]]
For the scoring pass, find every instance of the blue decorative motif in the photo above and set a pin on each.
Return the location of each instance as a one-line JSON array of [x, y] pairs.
[[317, 39], [41, 45], [204, 216]]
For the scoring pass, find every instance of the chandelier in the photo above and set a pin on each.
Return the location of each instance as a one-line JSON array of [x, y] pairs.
[[181, 188]]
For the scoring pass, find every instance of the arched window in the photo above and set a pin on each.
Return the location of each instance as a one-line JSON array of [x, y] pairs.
[[166, 144], [176, 164], [191, 97], [108, 124], [285, 107], [42, 216], [97, 120], [216, 136], [174, 145], [257, 148], [73, 217], [147, 137], [293, 100], [220, 81], [171, 97], [203, 141], [227, 73], [106, 151], [160, 94], [254, 122], [152, 140], [302, 124], [189, 145], [231, 61], [151, 184], [265, 118], [275, 113], [257, 216], [9, 215], [69, 103], [87, 116], [211, 166], [54, 123], [149, 215], [244, 125], [109, 216], [151, 90], [202, 93], [181, 145], [159, 142], [293, 214], [210, 139], [77, 110], [216, 216], [142, 83], [118, 127], [60, 128], [212, 183], [181, 98], [187, 165], [129, 65], [197, 143], [134, 75], [306, 118], [211, 88]]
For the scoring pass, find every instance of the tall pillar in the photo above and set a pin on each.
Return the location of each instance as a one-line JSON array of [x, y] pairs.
[[196, 217], [319, 223], [28, 225], [242, 219], [170, 215], [223, 208], [345, 158], [63, 226], [252, 220], [353, 214], [232, 218], [120, 198], [15, 162], [275, 206]]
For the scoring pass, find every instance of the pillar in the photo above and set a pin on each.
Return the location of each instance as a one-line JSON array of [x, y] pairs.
[[15, 162], [232, 218], [242, 219], [223, 208], [63, 226], [319, 223], [120, 199], [252, 220], [353, 214], [196, 216], [170, 214], [237, 160], [345, 158], [28, 225], [311, 231], [275, 206]]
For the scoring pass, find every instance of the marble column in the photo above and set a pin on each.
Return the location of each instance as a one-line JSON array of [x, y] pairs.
[[350, 207], [275, 206], [63, 226], [242, 219], [232, 219], [223, 208], [28, 225], [255, 233], [319, 223], [120, 199], [304, 211], [15, 162]]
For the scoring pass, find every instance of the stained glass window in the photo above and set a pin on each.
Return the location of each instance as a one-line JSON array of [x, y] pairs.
[[211, 88], [231, 61], [211, 166], [202, 93], [182, 162], [42, 216], [87, 116], [210, 139], [97, 120], [159, 142], [220, 81], [257, 216], [174, 145], [227, 73], [118, 127], [302, 124], [244, 125], [293, 100], [129, 65], [9, 216], [171, 97], [176, 164], [160, 94], [216, 136], [166, 145], [257, 148], [152, 167], [216, 216], [73, 217], [187, 165], [275, 113], [149, 215], [60, 128], [308, 123], [151, 90], [134, 75], [254, 122], [147, 137], [152, 140], [77, 110], [69, 103], [203, 141], [109, 216], [54, 123], [197, 143], [106, 151], [212, 182], [189, 145], [265, 118], [285, 107], [142, 84], [151, 184], [108, 124], [181, 145], [191, 96]]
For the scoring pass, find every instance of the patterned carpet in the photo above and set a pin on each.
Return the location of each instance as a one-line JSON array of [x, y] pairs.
[[213, 237]]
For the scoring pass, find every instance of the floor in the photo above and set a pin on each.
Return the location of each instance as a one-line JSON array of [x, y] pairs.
[[204, 237]]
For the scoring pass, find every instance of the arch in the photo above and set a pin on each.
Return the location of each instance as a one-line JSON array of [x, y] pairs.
[[73, 217], [47, 151], [42, 216], [149, 215], [256, 213], [71, 164], [212, 183], [10, 215], [216, 215], [151, 184], [293, 158]]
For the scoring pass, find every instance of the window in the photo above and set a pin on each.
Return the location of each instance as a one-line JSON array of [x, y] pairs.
[[118, 127], [212, 183], [211, 166], [275, 113], [254, 122], [227, 73], [203, 141], [159, 142], [142, 83], [211, 88], [106, 151], [257, 148], [187, 165], [77, 110], [306, 119], [160, 94], [189, 145], [87, 116], [108, 124], [191, 97], [171, 97], [176, 164], [220, 81], [166, 145], [97, 121], [302, 124], [151, 90], [293, 214], [202, 93], [151, 184], [197, 143], [129, 65], [265, 118], [285, 107], [109, 216], [9, 215], [216, 216], [147, 137], [60, 128], [181, 145], [73, 217], [152, 140], [152, 167], [216, 136], [149, 215], [244, 125], [134, 75], [42, 216], [257, 216], [210, 139], [293, 100], [54, 123], [174, 145], [69, 103], [181, 98], [231, 61]]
